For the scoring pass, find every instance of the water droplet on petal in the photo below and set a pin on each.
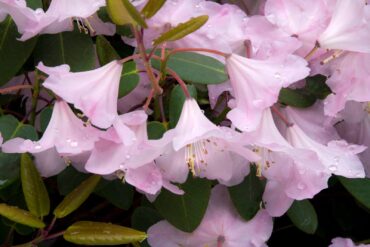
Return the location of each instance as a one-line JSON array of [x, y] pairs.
[[128, 156], [277, 75], [301, 186], [38, 146], [73, 143], [333, 168]]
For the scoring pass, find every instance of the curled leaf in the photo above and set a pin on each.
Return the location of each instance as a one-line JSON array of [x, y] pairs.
[[123, 12]]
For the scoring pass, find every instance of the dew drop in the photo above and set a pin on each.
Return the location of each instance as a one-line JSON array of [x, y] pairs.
[[68, 140], [333, 168], [38, 146], [73, 144], [277, 75], [128, 156], [301, 186]]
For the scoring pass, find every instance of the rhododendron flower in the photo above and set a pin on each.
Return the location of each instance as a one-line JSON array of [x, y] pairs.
[[256, 85], [338, 156], [349, 28], [67, 133], [345, 242], [291, 173], [221, 226], [94, 92], [204, 148]]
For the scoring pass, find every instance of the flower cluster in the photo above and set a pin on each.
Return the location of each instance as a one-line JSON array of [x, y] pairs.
[[294, 150]]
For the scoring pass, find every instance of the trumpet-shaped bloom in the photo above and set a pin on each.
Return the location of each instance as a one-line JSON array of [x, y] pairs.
[[204, 148], [345, 242], [257, 84], [68, 134], [94, 92], [221, 226], [337, 156], [349, 28]]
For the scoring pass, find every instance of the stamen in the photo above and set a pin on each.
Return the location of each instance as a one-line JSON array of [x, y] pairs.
[[195, 156], [335, 55]]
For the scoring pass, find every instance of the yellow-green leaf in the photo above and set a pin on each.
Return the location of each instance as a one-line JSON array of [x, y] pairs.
[[34, 190], [123, 12], [97, 233], [182, 29], [20, 216], [78, 196], [152, 7]]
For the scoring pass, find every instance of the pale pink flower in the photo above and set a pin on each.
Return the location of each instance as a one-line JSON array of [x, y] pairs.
[[67, 133], [94, 92], [204, 148], [221, 226], [345, 242], [256, 85], [349, 28]]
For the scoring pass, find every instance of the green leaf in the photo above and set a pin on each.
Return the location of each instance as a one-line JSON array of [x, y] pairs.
[[13, 53], [72, 48], [45, 116], [34, 4], [20, 216], [19, 228], [185, 212], [196, 68], [129, 79], [119, 194], [10, 128], [182, 30], [123, 12], [34, 190], [359, 188], [152, 7], [177, 101], [96, 233], [106, 52], [155, 130], [316, 85], [247, 196], [296, 98], [78, 196], [143, 218], [303, 216], [73, 177]]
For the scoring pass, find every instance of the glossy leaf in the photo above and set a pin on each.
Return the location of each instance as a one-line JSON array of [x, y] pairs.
[[185, 212], [119, 194], [296, 97], [34, 190], [123, 12], [182, 30], [177, 101], [303, 216], [359, 188], [196, 68], [129, 79], [247, 196], [10, 128], [96, 233], [155, 130], [317, 86], [105, 51], [72, 48], [78, 196], [20, 216], [13, 53], [152, 7]]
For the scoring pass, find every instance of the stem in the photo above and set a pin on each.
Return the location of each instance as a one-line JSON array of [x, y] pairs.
[[161, 108], [35, 96], [51, 225], [55, 235], [281, 116], [219, 53], [157, 89], [132, 57], [148, 100], [14, 88], [180, 81]]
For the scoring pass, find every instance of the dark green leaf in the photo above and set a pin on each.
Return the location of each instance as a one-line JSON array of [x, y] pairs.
[[155, 130], [13, 53], [303, 216], [73, 177], [96, 233], [359, 188], [296, 98], [123, 12], [19, 228], [196, 68], [247, 196], [72, 48], [34, 4], [45, 116], [106, 52], [34, 190], [129, 79], [185, 212], [182, 30], [177, 101], [143, 218], [20, 216], [78, 196], [152, 7], [317, 87], [119, 194]]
